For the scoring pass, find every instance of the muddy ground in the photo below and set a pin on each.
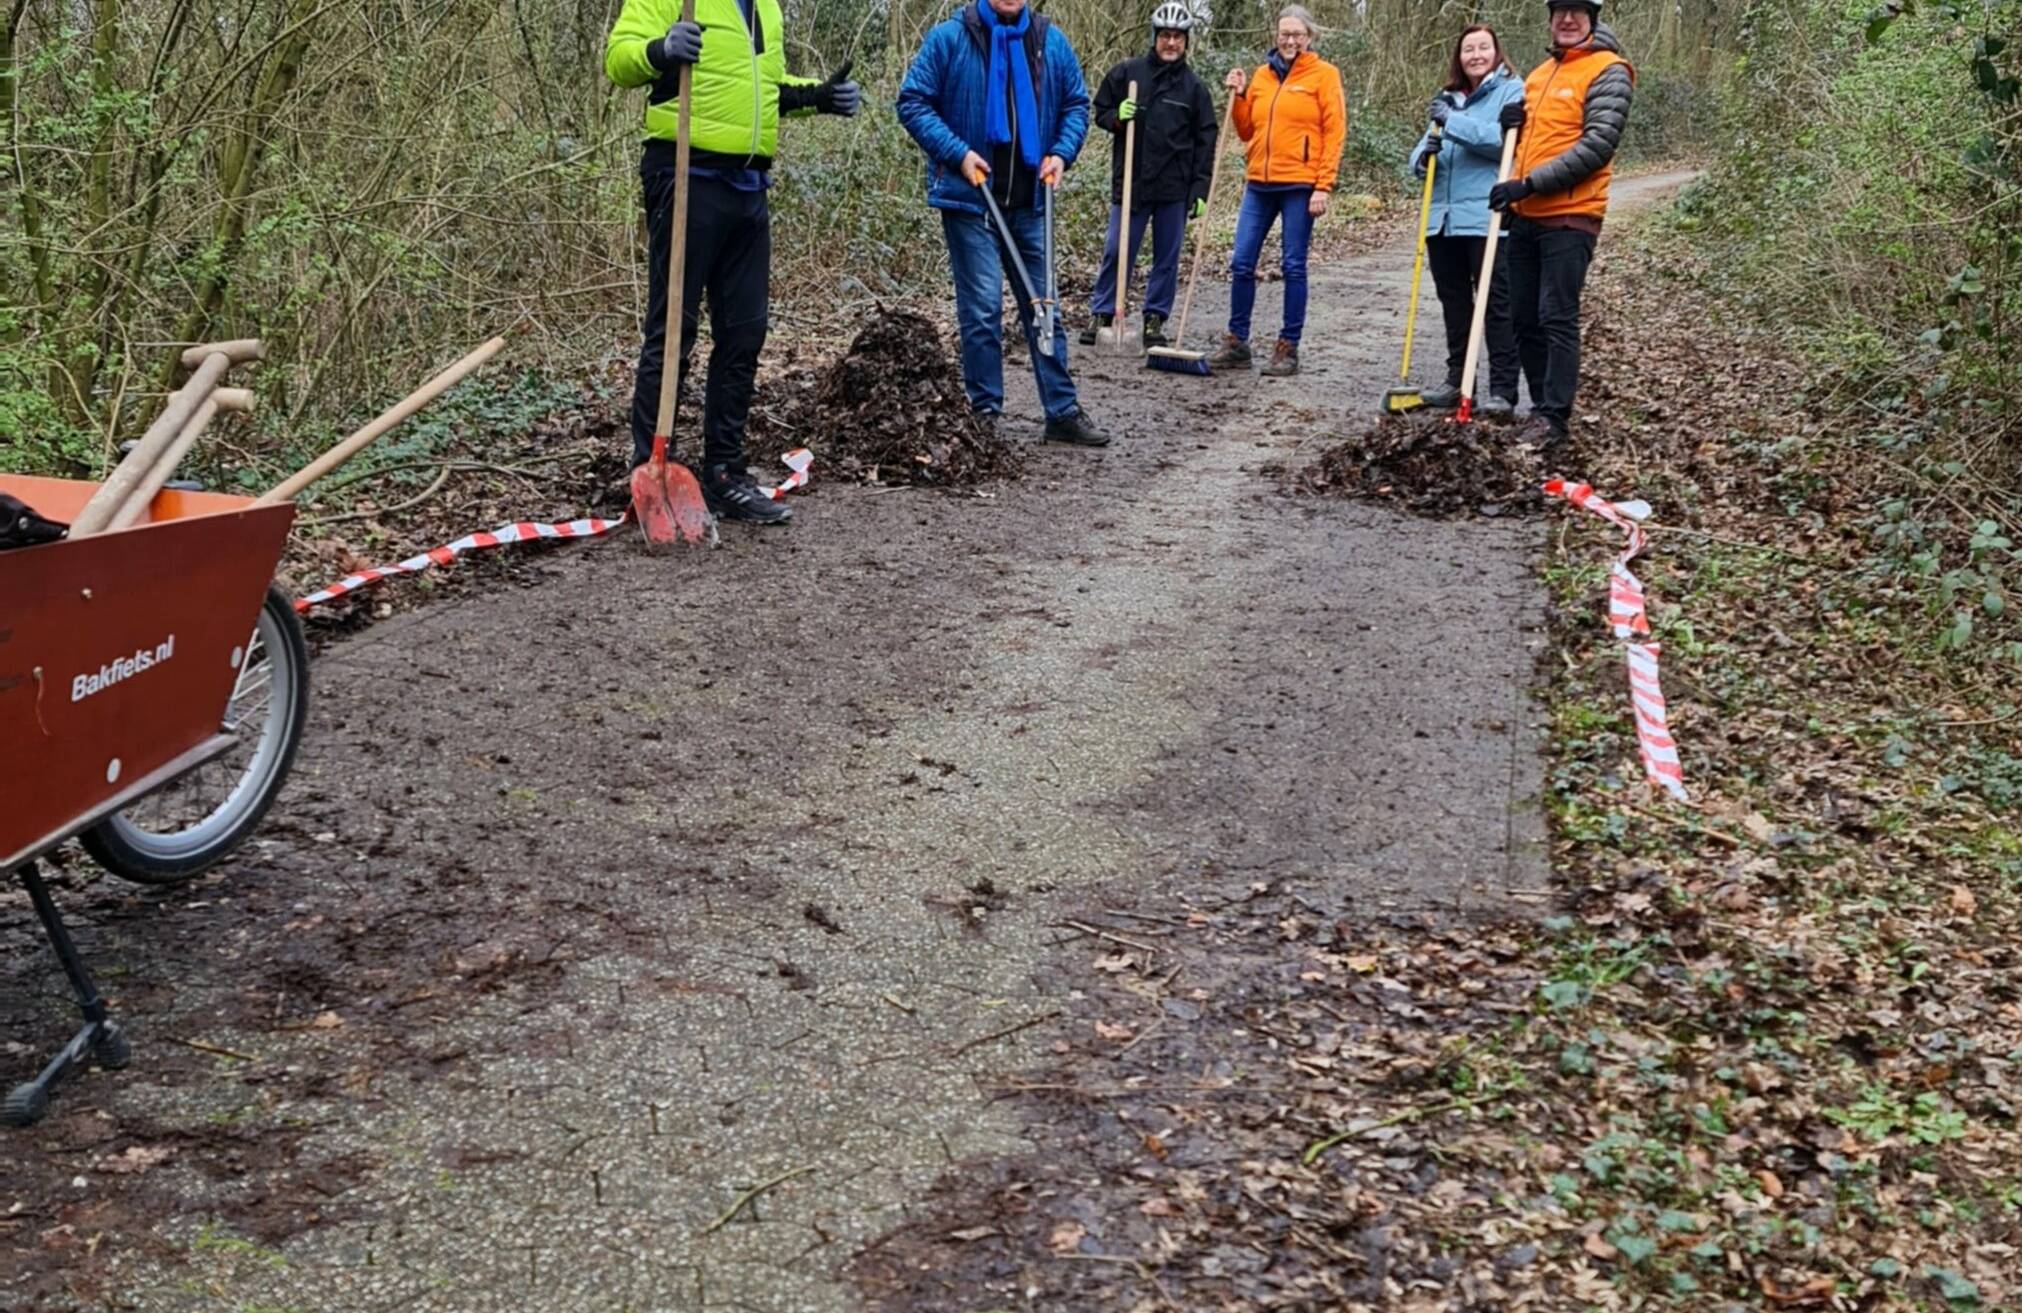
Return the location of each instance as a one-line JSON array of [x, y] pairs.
[[659, 935]]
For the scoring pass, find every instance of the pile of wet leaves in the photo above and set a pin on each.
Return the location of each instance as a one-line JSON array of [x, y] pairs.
[[1428, 465], [890, 409]]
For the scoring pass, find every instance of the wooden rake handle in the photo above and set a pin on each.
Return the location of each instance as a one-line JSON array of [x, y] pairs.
[[1488, 249]]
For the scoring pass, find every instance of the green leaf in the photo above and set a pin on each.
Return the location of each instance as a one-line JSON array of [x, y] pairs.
[[1881, 19], [1636, 1248], [1885, 1267], [1952, 1286], [1673, 1220], [1563, 994], [1994, 603], [1682, 1283], [1709, 1250]]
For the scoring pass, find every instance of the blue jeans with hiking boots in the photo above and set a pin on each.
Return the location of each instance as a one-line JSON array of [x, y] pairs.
[[976, 257], [1262, 207]]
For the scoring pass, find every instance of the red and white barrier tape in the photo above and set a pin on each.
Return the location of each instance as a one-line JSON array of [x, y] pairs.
[[477, 542], [1628, 615], [798, 462]]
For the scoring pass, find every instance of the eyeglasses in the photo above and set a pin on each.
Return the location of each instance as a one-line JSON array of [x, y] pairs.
[[1296, 34]]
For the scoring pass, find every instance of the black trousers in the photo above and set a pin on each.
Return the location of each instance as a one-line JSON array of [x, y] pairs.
[[1547, 272], [729, 257], [1456, 272]]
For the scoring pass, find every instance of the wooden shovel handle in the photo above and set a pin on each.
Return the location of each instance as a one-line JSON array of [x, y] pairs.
[[290, 487], [240, 351], [677, 246], [1474, 333], [112, 495], [1123, 225]]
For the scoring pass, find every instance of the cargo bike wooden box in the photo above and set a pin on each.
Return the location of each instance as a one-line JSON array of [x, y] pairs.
[[153, 689]]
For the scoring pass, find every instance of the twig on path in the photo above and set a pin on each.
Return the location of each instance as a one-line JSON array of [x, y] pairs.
[[1318, 1147], [899, 1003], [1100, 933], [1143, 1035], [1146, 916], [1027, 1024], [752, 1194], [211, 1048], [1134, 1263], [1689, 827]]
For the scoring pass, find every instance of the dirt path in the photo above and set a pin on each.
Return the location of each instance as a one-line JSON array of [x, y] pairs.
[[597, 905]]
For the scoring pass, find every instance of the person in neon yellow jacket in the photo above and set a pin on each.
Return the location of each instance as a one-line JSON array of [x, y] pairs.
[[741, 89]]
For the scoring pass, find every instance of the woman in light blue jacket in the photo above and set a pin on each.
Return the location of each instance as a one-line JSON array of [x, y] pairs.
[[1469, 148]]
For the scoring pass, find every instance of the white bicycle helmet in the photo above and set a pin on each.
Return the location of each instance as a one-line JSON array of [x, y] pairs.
[[1172, 16]]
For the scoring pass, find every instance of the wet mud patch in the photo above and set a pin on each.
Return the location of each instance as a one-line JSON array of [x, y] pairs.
[[891, 409], [1430, 466]]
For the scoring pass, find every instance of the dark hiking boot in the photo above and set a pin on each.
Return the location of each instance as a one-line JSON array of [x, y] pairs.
[[1233, 353], [1539, 432], [732, 494], [1154, 332], [1075, 430], [985, 422], [1496, 408], [1095, 326], [1444, 397], [1284, 360]]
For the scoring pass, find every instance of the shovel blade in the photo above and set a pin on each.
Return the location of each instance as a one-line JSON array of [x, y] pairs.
[[668, 501]]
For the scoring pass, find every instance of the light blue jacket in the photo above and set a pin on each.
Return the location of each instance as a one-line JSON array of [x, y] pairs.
[[941, 100], [1469, 155]]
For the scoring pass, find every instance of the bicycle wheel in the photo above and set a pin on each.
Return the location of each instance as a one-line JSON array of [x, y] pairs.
[[192, 822]]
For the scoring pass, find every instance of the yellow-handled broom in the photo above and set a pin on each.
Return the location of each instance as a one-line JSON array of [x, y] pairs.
[[1403, 398]]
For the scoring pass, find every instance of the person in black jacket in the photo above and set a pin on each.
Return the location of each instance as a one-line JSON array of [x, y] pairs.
[[1176, 137]]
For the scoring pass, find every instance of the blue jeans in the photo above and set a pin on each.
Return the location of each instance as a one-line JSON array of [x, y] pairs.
[[1168, 224], [1260, 210], [976, 258]]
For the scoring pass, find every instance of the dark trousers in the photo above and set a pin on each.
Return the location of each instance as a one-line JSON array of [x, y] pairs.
[[1456, 273], [1168, 224], [1547, 271], [729, 256]]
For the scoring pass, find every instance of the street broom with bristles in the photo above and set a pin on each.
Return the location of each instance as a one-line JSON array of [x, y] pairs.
[[1404, 398], [1175, 359]]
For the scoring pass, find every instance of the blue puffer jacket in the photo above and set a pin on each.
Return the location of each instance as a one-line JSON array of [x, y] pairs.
[[941, 101], [1469, 156]]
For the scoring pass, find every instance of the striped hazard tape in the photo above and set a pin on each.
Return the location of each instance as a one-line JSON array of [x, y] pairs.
[[798, 462], [1629, 617]]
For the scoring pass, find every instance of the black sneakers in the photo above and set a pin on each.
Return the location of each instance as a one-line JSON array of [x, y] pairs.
[[1154, 332], [732, 494], [1076, 430], [1095, 325]]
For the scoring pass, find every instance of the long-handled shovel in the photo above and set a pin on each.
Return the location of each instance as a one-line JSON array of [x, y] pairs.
[[981, 182], [1118, 332], [1404, 398], [1175, 359], [1052, 275], [665, 496], [1466, 412]]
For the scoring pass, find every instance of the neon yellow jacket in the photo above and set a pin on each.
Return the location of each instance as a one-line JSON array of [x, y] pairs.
[[741, 85]]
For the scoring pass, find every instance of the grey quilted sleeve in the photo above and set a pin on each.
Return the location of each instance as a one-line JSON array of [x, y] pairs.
[[1606, 115]]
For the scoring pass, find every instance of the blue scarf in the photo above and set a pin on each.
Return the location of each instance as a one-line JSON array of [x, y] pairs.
[[1279, 66], [1010, 75]]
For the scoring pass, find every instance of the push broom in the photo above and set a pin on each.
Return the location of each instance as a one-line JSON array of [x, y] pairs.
[[1404, 398], [1175, 359]]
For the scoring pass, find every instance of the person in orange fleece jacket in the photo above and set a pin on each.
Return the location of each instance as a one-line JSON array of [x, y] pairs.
[[1576, 106], [1293, 120]]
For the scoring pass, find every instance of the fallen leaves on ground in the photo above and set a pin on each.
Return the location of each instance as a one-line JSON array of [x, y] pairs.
[[1765, 1054]]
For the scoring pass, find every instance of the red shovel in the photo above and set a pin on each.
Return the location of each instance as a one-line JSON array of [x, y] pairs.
[[666, 499]]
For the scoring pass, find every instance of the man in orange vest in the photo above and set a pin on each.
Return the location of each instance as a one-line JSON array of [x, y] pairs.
[[1576, 105]]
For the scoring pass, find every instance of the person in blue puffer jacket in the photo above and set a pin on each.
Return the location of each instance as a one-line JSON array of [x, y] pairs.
[[996, 94], [1468, 145]]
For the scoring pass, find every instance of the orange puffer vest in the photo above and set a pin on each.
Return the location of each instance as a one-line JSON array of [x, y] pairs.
[[1555, 97], [1295, 130]]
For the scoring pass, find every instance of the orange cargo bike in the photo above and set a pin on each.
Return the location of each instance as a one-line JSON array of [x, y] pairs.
[[153, 690]]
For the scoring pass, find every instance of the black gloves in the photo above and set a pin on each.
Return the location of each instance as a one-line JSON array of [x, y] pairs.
[[1505, 194], [1429, 153], [1440, 110], [1513, 116], [838, 95], [681, 45]]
